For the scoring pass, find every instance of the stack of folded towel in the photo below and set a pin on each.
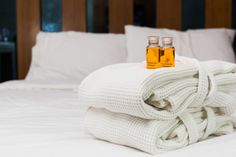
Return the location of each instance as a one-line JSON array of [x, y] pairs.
[[162, 109]]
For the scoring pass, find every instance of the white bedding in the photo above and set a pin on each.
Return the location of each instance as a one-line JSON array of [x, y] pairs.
[[37, 120]]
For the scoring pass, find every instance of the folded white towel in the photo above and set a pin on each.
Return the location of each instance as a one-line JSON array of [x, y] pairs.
[[162, 109], [156, 136], [163, 93]]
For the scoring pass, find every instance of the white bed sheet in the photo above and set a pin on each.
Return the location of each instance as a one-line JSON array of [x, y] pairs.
[[37, 120]]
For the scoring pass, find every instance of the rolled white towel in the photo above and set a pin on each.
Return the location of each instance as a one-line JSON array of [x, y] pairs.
[[163, 93]]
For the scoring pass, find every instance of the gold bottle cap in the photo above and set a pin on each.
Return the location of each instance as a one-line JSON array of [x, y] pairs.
[[167, 40], [153, 39]]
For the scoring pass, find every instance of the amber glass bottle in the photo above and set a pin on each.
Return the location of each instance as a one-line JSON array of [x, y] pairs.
[[152, 53], [167, 53]]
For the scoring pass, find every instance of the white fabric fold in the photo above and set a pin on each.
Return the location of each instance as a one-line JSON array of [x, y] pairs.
[[163, 93], [163, 109], [157, 136]]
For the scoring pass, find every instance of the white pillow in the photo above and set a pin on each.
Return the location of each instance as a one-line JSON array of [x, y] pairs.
[[212, 44], [202, 44], [71, 56]]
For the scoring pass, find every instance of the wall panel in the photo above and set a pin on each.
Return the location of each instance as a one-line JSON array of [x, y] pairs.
[[74, 15], [218, 13], [28, 25], [168, 13], [120, 14]]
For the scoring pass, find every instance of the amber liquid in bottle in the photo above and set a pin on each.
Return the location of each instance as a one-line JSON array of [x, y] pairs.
[[167, 57], [152, 53], [167, 53]]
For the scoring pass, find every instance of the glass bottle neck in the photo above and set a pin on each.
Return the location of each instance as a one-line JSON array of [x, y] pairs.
[[153, 44], [167, 45]]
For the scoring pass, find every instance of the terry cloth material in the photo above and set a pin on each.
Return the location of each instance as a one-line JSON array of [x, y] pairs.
[[163, 93], [162, 109], [157, 136]]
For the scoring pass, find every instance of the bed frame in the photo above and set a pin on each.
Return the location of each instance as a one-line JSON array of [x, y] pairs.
[[218, 13]]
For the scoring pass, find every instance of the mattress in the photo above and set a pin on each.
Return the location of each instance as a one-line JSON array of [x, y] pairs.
[[44, 119]]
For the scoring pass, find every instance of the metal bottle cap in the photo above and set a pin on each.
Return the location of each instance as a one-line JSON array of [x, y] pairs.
[[153, 39], [167, 40]]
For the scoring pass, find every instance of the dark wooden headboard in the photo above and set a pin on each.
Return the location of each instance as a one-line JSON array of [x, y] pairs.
[[168, 14]]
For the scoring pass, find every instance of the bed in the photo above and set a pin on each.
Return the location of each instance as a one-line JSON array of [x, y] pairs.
[[41, 115], [40, 119]]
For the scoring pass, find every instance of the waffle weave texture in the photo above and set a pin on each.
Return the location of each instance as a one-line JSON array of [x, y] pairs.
[[157, 136], [162, 109]]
